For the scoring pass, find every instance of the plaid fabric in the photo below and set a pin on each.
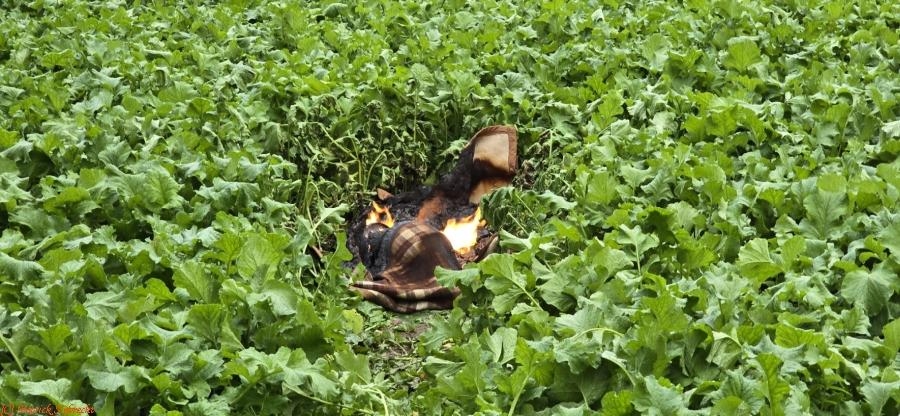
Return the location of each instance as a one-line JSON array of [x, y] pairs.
[[408, 283]]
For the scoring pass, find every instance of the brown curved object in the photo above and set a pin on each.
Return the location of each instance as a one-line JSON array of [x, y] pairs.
[[494, 159]]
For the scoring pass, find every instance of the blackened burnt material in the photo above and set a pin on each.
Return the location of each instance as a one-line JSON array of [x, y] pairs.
[[400, 260]]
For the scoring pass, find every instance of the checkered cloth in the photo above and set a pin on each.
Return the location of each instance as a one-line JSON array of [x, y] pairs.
[[408, 283]]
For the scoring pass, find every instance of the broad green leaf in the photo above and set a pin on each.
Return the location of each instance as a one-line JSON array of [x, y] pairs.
[[502, 344], [10, 191], [69, 196], [228, 247], [601, 188], [607, 261], [215, 407], [823, 210], [756, 262], [180, 92], [619, 403], [358, 365], [877, 394], [508, 285], [258, 254], [197, 280], [790, 337], [725, 350], [444, 329], [890, 237], [158, 289], [639, 241], [731, 406], [833, 183], [855, 320], [533, 367], [791, 250], [742, 53], [281, 296], [299, 372], [557, 287], [127, 379], [580, 410], [892, 129], [55, 259], [57, 391], [869, 289], [670, 318], [580, 354], [892, 335], [774, 388], [586, 319], [20, 270], [207, 320], [449, 278], [39, 222], [660, 399], [555, 202], [609, 108], [635, 176], [161, 190], [54, 338], [353, 321]]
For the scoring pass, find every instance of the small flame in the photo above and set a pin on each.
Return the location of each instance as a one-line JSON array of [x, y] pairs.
[[463, 232], [380, 214]]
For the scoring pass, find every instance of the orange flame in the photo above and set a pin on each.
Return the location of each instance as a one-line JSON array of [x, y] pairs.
[[463, 232], [380, 214]]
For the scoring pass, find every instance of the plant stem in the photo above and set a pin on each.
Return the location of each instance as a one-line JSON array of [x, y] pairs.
[[512, 406], [323, 401], [11, 352]]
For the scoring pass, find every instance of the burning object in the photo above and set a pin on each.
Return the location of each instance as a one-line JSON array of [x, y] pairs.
[[401, 239], [463, 233], [380, 215]]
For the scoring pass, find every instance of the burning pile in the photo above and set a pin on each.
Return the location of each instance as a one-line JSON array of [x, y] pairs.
[[402, 238], [462, 233]]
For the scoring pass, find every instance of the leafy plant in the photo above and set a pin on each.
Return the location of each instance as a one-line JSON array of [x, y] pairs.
[[705, 219]]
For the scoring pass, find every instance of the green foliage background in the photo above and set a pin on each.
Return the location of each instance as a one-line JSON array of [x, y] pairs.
[[706, 221]]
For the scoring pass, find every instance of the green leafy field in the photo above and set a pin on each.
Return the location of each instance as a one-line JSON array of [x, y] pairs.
[[706, 220]]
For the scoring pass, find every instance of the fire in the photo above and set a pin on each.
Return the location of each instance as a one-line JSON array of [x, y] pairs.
[[463, 232], [380, 214]]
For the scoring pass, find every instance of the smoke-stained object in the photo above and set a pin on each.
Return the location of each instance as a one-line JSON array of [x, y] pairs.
[[400, 260]]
